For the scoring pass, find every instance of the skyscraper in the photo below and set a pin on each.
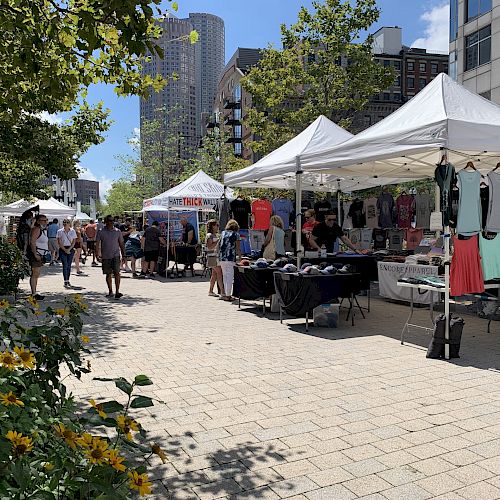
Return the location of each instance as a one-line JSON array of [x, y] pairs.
[[175, 105], [210, 57]]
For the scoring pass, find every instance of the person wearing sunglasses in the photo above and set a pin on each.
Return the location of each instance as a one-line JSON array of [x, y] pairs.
[[308, 226], [326, 233]]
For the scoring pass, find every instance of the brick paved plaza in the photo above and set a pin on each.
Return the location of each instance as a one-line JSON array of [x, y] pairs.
[[256, 409]]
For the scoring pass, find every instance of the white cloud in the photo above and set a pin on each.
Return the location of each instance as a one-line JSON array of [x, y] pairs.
[[47, 117], [135, 140], [104, 182], [436, 34]]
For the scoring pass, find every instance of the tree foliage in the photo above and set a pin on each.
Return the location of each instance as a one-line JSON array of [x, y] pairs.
[[323, 68]]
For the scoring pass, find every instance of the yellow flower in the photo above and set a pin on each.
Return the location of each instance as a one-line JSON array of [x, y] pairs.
[[27, 358], [77, 298], [70, 437], [8, 360], [48, 466], [60, 312], [34, 303], [85, 441], [99, 453], [115, 460], [98, 408], [10, 399], [139, 482], [84, 306], [156, 449], [85, 339], [126, 425], [4, 304], [20, 444]]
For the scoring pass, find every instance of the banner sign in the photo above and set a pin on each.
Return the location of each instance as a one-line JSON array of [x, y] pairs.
[[175, 222], [182, 202]]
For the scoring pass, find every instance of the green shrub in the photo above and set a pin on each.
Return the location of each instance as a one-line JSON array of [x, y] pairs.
[[13, 268]]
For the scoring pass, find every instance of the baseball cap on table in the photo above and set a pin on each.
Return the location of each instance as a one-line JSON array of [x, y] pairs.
[[289, 268], [305, 265], [244, 262]]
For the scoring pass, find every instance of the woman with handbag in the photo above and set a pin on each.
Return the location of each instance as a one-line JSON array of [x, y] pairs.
[[66, 239], [274, 244], [38, 252], [212, 244]]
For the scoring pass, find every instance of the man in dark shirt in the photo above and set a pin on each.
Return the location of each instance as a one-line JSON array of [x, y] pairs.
[[151, 242], [327, 232], [188, 232]]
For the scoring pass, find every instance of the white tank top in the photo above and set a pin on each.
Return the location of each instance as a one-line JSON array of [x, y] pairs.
[[42, 243]]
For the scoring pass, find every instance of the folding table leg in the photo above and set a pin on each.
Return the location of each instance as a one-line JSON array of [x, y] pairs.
[[359, 307], [307, 321], [264, 306], [369, 297], [281, 315]]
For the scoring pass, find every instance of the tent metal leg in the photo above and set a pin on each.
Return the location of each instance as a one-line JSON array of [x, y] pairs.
[[307, 321]]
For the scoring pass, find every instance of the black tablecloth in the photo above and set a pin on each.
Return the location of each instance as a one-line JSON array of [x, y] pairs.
[[301, 293], [185, 255], [365, 265], [251, 283]]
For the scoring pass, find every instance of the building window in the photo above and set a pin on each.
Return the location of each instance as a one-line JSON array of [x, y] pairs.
[[422, 82], [367, 120], [238, 148], [422, 67], [453, 20], [453, 64], [387, 63], [434, 68], [410, 82], [237, 131], [237, 93], [397, 65], [476, 8], [478, 48], [410, 66], [387, 96]]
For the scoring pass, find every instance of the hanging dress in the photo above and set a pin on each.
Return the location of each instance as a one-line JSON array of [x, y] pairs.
[[445, 177], [469, 208], [490, 257], [466, 273], [493, 220]]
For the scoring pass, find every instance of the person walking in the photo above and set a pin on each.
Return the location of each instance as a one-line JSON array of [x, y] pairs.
[[133, 250], [229, 250], [53, 246], [78, 245], [91, 232], [66, 239], [151, 241], [109, 247], [126, 230], [212, 243], [38, 247]]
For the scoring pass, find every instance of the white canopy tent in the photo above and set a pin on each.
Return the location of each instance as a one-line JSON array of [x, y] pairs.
[[50, 208], [199, 192], [82, 216]]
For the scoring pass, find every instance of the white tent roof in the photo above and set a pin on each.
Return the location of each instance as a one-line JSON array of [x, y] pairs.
[[406, 144], [50, 208], [277, 169], [200, 192], [82, 216]]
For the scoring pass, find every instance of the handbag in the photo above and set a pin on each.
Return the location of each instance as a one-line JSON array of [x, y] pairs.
[[270, 249]]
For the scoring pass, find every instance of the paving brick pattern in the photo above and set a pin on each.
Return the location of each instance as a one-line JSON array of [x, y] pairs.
[[256, 409]]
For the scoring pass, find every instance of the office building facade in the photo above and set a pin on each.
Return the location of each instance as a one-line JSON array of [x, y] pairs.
[[475, 46], [209, 63]]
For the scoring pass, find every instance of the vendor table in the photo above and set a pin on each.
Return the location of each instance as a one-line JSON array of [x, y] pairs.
[[299, 294], [182, 254], [251, 283], [390, 272], [435, 291]]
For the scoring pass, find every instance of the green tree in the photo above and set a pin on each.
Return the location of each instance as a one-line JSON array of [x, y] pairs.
[[322, 69]]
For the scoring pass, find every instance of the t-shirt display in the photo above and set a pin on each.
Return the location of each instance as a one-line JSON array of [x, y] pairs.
[[356, 213], [493, 220], [327, 235], [469, 210], [395, 237], [241, 211], [347, 222], [490, 257], [379, 239], [366, 239], [370, 210], [355, 237], [261, 211], [224, 212], [321, 208], [284, 208], [413, 237], [485, 204], [445, 178], [385, 207], [423, 209], [466, 273], [404, 210]]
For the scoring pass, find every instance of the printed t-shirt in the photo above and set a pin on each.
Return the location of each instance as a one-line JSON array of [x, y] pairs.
[[321, 208], [110, 242], [379, 239], [356, 214], [404, 207], [227, 246], [385, 206], [423, 210], [261, 211], [413, 237], [370, 210], [283, 208], [395, 239], [241, 210], [326, 235]]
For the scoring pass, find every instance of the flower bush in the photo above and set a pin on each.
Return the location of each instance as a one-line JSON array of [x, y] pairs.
[[13, 268], [49, 447]]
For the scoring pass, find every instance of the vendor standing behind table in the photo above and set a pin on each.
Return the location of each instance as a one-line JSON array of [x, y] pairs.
[[188, 233], [326, 233], [309, 224]]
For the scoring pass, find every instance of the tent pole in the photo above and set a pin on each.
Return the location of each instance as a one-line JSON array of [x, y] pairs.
[[339, 205], [446, 238], [437, 202], [298, 205], [168, 239]]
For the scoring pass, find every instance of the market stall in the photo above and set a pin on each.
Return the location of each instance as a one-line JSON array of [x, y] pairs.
[[50, 207]]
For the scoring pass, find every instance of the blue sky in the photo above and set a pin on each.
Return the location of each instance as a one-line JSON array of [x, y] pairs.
[[254, 23]]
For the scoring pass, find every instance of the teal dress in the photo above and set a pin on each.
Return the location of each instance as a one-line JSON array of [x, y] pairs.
[[469, 207], [490, 257]]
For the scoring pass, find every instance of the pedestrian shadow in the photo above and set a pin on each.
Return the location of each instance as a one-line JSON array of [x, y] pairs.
[[241, 471]]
